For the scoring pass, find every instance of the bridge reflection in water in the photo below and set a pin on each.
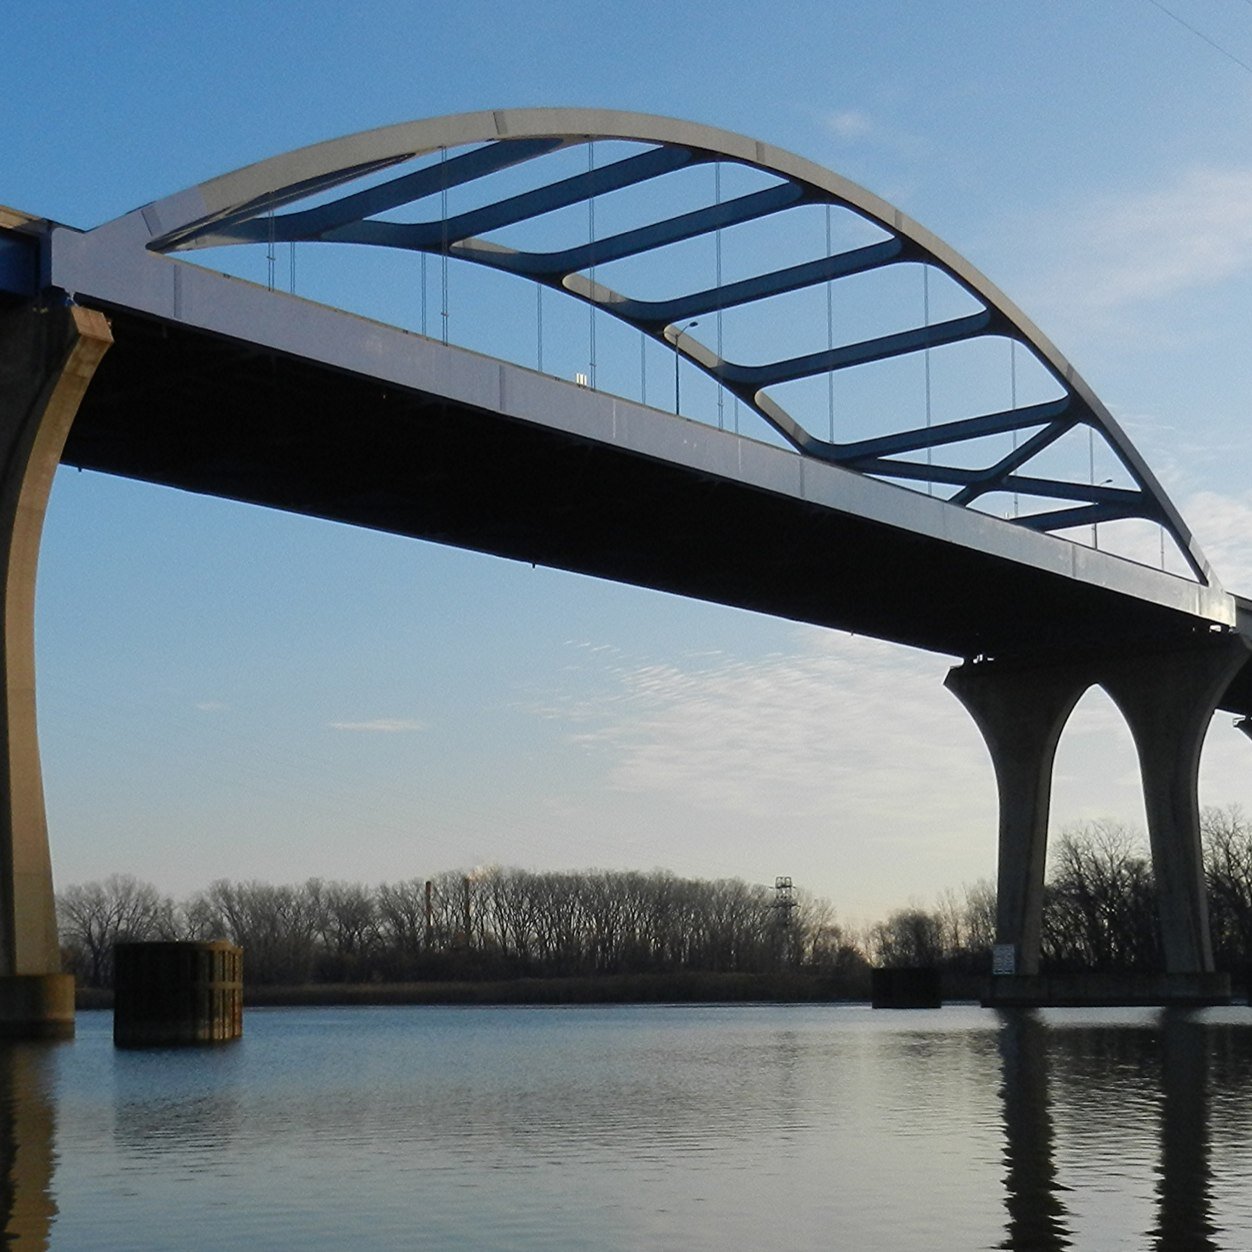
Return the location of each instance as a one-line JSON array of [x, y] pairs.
[[1125, 1130], [27, 1144], [1096, 1086]]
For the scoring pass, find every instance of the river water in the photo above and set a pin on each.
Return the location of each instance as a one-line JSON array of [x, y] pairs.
[[694, 1127]]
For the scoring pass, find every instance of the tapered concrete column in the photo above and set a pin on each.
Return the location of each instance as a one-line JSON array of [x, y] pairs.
[[1021, 713], [1168, 700], [48, 355]]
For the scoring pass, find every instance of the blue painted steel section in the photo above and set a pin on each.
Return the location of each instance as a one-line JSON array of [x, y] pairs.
[[655, 315], [317, 223], [19, 265], [509, 212], [459, 150], [852, 454], [548, 265], [759, 377]]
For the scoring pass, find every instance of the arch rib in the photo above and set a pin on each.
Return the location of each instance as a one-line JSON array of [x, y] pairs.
[[243, 207]]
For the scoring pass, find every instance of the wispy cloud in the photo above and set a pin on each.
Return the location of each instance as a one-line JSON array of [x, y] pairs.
[[1223, 526], [850, 124], [381, 726], [1134, 247], [786, 734]]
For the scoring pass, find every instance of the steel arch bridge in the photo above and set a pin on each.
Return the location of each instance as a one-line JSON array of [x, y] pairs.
[[118, 355], [295, 198]]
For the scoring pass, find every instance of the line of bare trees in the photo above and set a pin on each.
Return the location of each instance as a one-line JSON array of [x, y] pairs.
[[1099, 910], [1099, 914], [497, 923]]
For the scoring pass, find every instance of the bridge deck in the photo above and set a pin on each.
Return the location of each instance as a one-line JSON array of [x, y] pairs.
[[661, 502]]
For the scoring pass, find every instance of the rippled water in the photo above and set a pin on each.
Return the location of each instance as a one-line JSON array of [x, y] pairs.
[[639, 1128]]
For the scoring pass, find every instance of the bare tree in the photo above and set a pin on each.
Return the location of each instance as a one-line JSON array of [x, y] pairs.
[[1227, 838], [1100, 901], [94, 916], [276, 926], [347, 920], [401, 910], [911, 936]]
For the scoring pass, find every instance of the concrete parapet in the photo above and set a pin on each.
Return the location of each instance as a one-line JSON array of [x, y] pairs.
[[1078, 990], [37, 1006], [177, 993]]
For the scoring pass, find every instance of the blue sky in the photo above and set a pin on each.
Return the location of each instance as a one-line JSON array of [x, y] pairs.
[[231, 692]]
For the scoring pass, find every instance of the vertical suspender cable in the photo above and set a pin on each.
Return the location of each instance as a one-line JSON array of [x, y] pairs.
[[830, 335], [643, 369], [1095, 533], [423, 293], [717, 243], [930, 452], [293, 267], [443, 216], [269, 250], [591, 238], [539, 328], [1013, 406]]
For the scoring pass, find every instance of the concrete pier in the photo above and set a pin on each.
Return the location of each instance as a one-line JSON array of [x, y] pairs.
[[906, 987], [48, 355], [1168, 698], [37, 1006], [1021, 713], [1106, 990], [177, 994]]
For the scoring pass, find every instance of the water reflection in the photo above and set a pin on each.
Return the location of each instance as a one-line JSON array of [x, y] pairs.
[[27, 1144], [175, 1100], [1037, 1217], [529, 1129], [1184, 1213], [1131, 1098]]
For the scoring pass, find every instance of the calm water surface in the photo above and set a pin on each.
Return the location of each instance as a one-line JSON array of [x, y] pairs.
[[639, 1128]]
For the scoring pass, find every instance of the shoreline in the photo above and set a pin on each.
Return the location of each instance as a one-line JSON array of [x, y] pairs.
[[694, 988]]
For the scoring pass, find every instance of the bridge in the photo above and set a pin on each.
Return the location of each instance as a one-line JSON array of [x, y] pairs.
[[948, 501]]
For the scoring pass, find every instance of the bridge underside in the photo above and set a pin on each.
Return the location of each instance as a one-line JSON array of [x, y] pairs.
[[187, 409]]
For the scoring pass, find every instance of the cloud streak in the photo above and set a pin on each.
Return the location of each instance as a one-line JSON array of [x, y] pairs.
[[1138, 247], [850, 124], [1223, 525], [381, 726], [838, 726]]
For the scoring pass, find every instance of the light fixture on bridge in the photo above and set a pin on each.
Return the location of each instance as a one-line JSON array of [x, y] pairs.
[[678, 334]]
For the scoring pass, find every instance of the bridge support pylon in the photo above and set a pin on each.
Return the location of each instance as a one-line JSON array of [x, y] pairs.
[[1168, 699], [1021, 712], [48, 356]]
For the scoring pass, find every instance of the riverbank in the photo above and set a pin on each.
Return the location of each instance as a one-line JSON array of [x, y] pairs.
[[679, 988]]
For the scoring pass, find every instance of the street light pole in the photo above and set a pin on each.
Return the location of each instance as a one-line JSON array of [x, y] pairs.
[[678, 334]]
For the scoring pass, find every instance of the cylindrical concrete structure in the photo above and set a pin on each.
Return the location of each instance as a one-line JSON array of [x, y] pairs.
[[906, 987], [177, 993]]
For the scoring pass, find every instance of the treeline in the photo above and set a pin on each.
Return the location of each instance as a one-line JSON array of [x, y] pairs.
[[1099, 914], [501, 923], [1099, 907]]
